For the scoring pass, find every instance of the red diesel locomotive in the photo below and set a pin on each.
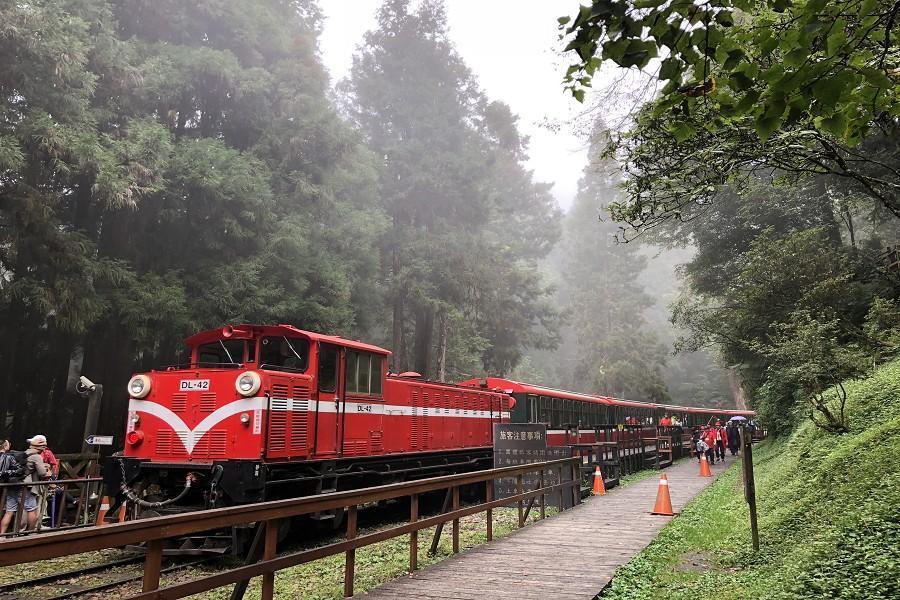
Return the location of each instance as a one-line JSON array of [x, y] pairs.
[[264, 412]]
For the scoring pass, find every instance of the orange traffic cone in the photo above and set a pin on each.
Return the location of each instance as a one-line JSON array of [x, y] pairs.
[[104, 508], [704, 466], [663, 500], [101, 510], [599, 488]]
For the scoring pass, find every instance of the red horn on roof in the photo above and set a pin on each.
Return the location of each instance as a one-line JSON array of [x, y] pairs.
[[227, 331]]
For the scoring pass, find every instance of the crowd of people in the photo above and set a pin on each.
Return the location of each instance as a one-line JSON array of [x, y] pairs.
[[712, 440], [21, 472]]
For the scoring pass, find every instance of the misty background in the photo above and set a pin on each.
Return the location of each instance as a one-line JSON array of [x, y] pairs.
[[182, 166]]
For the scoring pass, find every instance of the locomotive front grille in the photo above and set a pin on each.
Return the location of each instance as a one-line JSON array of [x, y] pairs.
[[211, 445], [207, 402], [288, 419], [179, 402], [169, 443], [278, 422]]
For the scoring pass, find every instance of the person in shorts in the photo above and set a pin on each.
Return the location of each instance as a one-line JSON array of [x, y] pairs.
[[35, 470]]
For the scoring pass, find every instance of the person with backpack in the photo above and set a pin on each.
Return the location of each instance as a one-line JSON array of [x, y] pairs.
[[33, 469]]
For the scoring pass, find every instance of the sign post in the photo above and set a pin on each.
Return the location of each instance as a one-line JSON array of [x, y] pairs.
[[94, 395], [749, 483]]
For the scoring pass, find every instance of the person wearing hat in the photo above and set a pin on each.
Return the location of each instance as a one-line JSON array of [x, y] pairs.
[[35, 470]]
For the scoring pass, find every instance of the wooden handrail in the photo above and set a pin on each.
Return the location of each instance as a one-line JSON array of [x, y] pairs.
[[154, 530]]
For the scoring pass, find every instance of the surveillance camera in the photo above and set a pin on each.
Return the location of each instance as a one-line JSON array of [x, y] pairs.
[[85, 385]]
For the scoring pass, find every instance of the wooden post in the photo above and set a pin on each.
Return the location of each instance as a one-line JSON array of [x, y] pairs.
[[350, 563], [559, 480], [543, 500], [94, 397], [440, 526], [455, 506], [152, 564], [749, 483], [413, 535], [576, 484], [269, 551], [253, 555], [521, 506], [489, 496]]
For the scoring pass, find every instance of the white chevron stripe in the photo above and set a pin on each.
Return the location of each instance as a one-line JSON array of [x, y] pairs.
[[191, 437]]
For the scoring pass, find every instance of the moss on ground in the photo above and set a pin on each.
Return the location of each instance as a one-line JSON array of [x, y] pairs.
[[829, 517]]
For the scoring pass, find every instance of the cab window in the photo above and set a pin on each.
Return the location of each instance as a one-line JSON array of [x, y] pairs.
[[363, 373], [328, 362], [283, 353], [221, 352]]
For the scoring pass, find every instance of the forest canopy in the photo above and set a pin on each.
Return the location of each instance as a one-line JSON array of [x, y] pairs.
[[771, 148], [170, 166]]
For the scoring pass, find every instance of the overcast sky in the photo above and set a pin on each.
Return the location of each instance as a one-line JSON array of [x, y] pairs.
[[511, 46]]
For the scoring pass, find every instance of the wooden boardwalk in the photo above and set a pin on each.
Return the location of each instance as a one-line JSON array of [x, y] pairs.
[[569, 556]]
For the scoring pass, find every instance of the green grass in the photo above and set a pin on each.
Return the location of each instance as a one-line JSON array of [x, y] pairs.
[[829, 517]]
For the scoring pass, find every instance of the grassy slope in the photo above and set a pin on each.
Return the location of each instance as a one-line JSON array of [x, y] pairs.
[[829, 517]]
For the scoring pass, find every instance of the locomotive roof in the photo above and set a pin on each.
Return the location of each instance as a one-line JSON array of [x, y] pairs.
[[247, 331]]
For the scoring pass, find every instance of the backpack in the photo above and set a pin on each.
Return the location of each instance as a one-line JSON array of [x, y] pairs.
[[13, 466]]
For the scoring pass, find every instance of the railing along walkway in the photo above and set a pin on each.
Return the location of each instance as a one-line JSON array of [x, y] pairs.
[[569, 556], [558, 476]]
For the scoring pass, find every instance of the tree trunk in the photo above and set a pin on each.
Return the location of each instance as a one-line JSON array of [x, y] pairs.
[[444, 333], [737, 389], [424, 334], [399, 356]]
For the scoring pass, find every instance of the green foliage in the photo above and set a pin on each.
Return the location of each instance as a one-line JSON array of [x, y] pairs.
[[783, 298], [882, 329], [794, 86], [827, 508], [166, 166], [829, 63]]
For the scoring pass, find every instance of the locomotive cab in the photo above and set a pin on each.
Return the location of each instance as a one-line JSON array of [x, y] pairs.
[[261, 412]]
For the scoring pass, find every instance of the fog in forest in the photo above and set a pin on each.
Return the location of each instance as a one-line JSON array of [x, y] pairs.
[[185, 168]]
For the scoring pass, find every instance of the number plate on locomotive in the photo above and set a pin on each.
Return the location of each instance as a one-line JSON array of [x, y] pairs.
[[190, 385]]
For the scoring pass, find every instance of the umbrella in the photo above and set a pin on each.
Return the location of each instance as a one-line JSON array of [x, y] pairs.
[[738, 418]]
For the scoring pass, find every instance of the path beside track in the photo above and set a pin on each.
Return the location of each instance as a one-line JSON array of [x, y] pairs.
[[569, 556]]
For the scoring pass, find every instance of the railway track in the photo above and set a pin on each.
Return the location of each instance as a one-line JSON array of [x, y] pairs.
[[37, 587]]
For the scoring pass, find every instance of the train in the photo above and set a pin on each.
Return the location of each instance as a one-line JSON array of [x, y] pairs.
[[263, 412]]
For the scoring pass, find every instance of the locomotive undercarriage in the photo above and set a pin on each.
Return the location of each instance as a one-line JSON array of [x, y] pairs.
[[153, 488]]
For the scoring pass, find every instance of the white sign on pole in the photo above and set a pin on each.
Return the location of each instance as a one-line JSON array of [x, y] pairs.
[[100, 440]]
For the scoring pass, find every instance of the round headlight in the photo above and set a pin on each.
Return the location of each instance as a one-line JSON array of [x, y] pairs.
[[247, 383], [139, 386]]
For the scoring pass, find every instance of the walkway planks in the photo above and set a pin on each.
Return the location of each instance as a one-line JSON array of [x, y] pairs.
[[571, 555]]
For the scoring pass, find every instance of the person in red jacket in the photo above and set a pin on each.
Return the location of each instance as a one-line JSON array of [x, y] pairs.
[[709, 436], [721, 441]]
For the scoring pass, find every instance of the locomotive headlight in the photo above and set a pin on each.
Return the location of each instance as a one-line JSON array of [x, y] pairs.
[[139, 386], [247, 383]]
